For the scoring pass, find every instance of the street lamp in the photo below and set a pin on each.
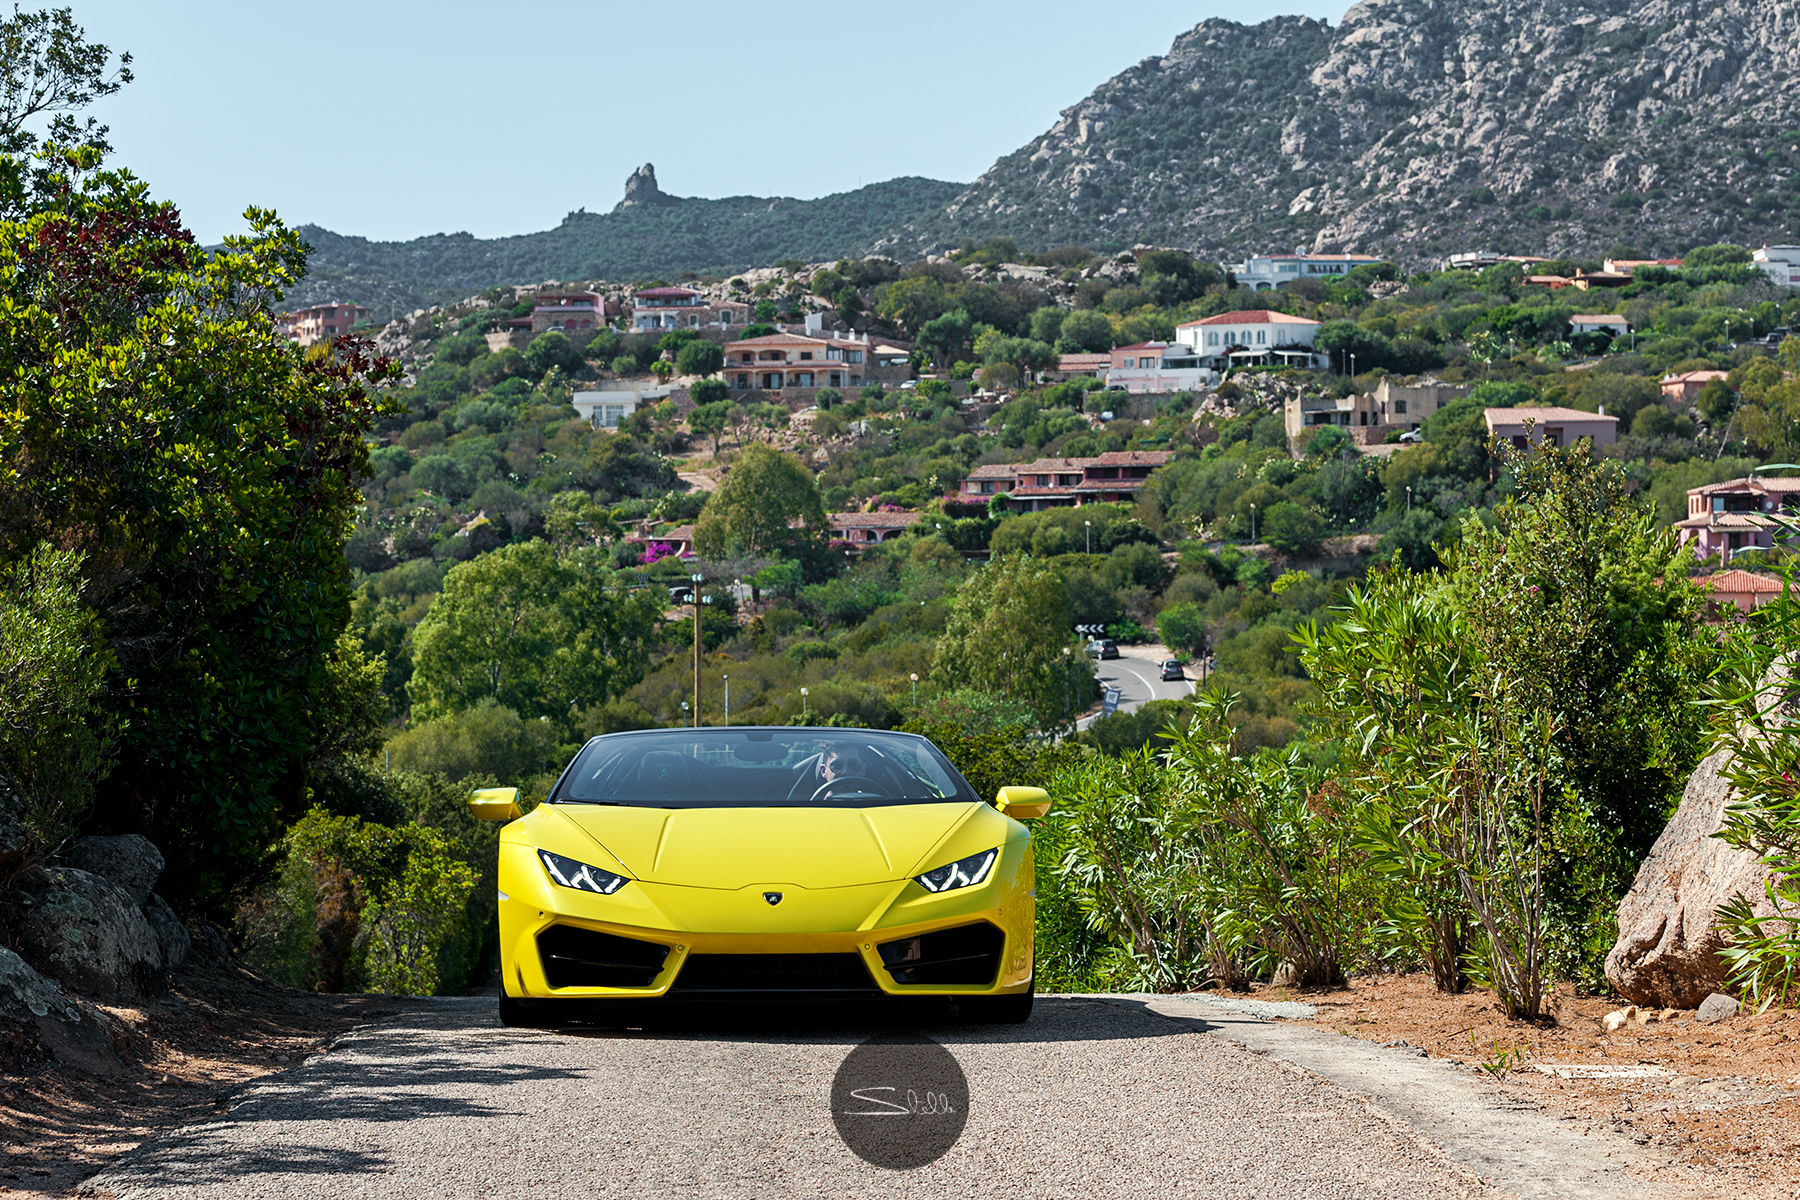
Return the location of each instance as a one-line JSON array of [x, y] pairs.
[[728, 699], [915, 683], [1088, 526], [684, 712], [1253, 524], [698, 579], [1408, 499], [803, 706]]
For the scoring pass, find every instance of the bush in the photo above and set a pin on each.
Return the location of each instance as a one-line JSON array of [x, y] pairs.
[[488, 739]]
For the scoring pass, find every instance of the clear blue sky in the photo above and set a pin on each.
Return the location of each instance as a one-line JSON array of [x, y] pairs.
[[394, 119]]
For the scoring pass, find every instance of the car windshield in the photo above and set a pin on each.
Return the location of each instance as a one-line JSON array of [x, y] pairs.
[[760, 768]]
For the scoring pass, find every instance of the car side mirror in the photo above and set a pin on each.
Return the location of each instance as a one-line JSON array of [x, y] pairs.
[[1023, 803], [495, 804]]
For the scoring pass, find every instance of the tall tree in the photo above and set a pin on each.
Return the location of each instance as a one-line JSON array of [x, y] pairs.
[[537, 633], [769, 504], [1010, 635]]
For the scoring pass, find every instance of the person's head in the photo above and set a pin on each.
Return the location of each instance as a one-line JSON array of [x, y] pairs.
[[843, 761]]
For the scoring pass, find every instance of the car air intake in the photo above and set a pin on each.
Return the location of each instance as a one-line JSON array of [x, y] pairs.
[[718, 975], [966, 954], [575, 957]]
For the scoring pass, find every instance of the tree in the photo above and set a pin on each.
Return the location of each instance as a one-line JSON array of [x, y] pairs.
[[709, 391], [756, 508], [552, 350], [537, 633], [943, 336], [1087, 331], [708, 420], [1173, 277], [206, 470], [624, 365], [1182, 627], [47, 66], [1290, 528], [662, 368], [1010, 635], [1024, 355], [700, 358]]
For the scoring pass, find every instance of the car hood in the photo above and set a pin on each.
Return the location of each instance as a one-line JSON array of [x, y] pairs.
[[732, 848]]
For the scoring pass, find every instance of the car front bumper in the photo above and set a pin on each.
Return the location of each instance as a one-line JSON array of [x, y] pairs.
[[886, 939]]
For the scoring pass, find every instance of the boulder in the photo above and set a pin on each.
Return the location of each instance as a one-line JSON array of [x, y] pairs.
[[1717, 1007], [129, 860], [72, 1032], [1667, 954], [88, 933], [171, 934]]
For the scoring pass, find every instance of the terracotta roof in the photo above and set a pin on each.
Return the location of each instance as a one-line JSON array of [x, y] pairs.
[[1729, 521], [874, 520], [992, 471], [1132, 458], [1735, 580], [1076, 362], [665, 293], [1042, 466], [1597, 319], [1696, 377], [1751, 483], [1144, 346], [1250, 316], [1543, 416]]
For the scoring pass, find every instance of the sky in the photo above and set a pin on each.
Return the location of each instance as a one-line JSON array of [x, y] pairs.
[[393, 119]]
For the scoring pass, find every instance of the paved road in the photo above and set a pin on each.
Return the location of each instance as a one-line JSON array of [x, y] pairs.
[[1137, 673], [1094, 1097]]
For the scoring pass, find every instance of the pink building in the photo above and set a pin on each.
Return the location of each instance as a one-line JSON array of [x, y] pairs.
[[657, 310], [1558, 426], [1059, 482], [1742, 590], [865, 528], [321, 322], [1739, 514], [1682, 388]]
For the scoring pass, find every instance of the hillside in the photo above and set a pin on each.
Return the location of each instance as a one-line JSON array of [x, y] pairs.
[[1418, 128], [654, 234]]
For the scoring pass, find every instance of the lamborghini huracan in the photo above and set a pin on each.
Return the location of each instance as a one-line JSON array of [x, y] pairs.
[[763, 864]]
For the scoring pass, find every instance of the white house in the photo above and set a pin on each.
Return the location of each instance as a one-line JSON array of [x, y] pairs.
[[1273, 270], [1254, 335], [1781, 263], [611, 402], [1157, 367], [1592, 323]]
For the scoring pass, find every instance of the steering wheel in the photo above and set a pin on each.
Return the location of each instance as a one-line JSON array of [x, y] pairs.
[[843, 781]]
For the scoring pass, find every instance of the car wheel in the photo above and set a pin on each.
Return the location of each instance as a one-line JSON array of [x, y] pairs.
[[996, 1010], [516, 1014]]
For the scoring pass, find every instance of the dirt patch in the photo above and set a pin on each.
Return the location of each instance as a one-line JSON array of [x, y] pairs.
[[186, 1053], [1716, 1103]]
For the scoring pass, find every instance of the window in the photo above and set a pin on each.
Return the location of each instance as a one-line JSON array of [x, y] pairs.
[[856, 381], [1130, 363], [806, 356], [987, 487], [1400, 406], [1362, 418], [743, 381], [803, 379], [853, 356]]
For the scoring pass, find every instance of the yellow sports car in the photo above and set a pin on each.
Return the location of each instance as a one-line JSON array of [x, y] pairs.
[[766, 864]]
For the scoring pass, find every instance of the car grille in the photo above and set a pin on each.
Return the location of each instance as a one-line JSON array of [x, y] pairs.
[[575, 957], [966, 954], [773, 974]]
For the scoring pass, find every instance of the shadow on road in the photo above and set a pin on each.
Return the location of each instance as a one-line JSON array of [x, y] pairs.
[[1055, 1019]]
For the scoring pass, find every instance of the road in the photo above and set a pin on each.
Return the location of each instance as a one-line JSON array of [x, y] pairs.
[[1095, 1097], [1137, 673]]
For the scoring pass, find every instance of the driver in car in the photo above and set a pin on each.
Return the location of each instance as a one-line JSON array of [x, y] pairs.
[[842, 762]]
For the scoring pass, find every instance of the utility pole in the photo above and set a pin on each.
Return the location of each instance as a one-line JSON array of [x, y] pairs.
[[698, 580]]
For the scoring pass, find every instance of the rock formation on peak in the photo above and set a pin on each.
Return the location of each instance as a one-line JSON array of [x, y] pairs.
[[640, 188]]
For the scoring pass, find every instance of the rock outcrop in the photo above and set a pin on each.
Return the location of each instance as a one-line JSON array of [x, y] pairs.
[[640, 188], [1667, 952], [72, 1032], [129, 860], [88, 933], [1416, 128]]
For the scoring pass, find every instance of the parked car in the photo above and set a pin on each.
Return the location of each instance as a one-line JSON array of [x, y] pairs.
[[1171, 669], [1411, 436], [766, 865], [1108, 647]]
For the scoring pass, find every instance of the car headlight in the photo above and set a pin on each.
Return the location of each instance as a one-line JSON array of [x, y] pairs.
[[580, 876], [964, 872]]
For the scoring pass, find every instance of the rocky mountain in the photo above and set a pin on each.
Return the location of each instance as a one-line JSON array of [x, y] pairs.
[[1420, 127], [649, 234]]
